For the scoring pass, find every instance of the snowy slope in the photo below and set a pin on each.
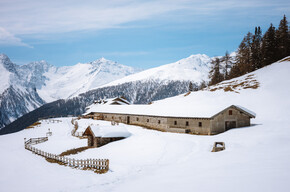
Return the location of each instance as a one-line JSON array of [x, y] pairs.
[[244, 91], [194, 68], [256, 157]]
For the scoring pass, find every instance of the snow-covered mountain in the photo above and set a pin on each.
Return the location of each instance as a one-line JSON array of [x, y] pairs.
[[26, 87], [66, 82], [16, 96], [194, 68], [85, 82], [92, 81]]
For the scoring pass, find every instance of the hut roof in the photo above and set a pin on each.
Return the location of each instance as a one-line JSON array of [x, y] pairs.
[[107, 131]]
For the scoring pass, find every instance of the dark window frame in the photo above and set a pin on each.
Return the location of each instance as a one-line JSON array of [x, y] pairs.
[[200, 124]]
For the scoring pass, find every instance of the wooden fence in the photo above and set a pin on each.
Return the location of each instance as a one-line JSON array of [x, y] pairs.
[[100, 165], [56, 116]]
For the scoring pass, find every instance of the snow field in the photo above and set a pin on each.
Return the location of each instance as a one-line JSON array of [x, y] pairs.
[[256, 158], [152, 160]]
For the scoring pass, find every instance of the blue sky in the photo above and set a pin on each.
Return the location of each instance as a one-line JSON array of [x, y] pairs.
[[141, 34]]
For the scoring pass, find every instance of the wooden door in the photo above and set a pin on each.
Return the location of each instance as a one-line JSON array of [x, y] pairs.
[[128, 119], [230, 125]]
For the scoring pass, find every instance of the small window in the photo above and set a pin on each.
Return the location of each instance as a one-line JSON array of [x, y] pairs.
[[230, 112], [147, 120], [158, 121], [186, 124], [200, 124], [175, 122], [119, 117], [137, 119], [113, 117]]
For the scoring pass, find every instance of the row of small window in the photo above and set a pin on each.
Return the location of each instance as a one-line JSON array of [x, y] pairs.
[[187, 123], [175, 122], [114, 117]]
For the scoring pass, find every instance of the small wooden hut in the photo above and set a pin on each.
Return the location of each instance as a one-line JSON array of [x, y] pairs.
[[102, 135]]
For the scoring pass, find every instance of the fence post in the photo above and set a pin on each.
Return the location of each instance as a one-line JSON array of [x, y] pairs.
[[107, 164]]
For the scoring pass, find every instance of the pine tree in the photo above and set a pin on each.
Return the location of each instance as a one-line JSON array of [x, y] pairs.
[[256, 56], [244, 61], [283, 39], [235, 71], [215, 75], [269, 46], [227, 59]]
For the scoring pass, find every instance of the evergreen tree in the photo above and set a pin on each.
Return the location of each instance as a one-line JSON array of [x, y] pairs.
[[235, 71], [244, 61], [256, 56], [215, 75], [227, 59], [269, 46], [283, 39]]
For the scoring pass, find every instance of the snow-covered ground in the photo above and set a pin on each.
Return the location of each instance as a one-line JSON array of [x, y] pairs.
[[256, 157]]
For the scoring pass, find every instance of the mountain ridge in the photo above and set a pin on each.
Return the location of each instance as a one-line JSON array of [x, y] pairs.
[[93, 80]]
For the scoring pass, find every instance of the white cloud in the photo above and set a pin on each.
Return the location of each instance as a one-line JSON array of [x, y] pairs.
[[54, 16], [43, 17], [7, 38]]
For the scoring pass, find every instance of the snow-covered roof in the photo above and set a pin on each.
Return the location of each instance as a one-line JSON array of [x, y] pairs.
[[110, 101], [170, 110], [109, 131], [246, 110]]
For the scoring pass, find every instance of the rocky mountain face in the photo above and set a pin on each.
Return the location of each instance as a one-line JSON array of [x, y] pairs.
[[27, 87], [16, 96]]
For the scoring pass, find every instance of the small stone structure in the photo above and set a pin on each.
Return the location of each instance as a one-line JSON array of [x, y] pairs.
[[218, 146], [49, 133], [102, 135]]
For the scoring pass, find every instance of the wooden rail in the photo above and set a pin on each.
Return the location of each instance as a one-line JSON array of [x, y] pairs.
[[33, 141], [100, 165]]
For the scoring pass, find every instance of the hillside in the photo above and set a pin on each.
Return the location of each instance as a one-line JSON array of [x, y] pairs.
[[256, 157]]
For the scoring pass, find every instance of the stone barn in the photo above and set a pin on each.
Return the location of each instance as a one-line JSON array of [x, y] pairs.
[[102, 135], [202, 121]]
